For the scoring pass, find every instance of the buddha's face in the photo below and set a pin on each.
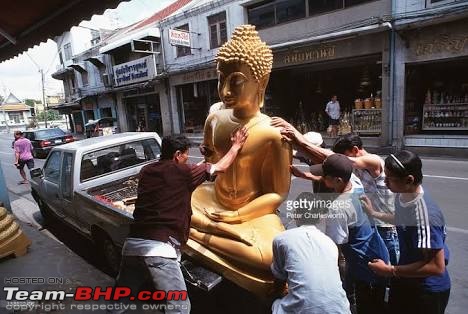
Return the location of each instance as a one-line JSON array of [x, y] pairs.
[[237, 87]]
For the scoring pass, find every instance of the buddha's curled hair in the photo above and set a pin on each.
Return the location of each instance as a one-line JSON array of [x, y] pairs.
[[245, 46]]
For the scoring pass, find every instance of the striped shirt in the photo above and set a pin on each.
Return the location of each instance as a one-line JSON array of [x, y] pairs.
[[377, 191], [421, 225]]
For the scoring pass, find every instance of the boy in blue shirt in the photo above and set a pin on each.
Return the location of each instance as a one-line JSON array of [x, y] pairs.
[[420, 283]]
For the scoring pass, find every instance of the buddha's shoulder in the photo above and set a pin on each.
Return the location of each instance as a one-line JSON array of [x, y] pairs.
[[267, 130]]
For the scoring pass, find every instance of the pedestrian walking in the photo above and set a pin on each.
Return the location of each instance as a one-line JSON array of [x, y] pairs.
[[23, 155], [162, 215], [333, 111], [420, 281]]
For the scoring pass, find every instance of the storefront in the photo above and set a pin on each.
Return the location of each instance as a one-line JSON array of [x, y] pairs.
[[138, 96], [143, 110], [304, 79], [436, 86], [195, 92]]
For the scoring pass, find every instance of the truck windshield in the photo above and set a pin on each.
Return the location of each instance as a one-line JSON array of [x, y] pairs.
[[114, 158]]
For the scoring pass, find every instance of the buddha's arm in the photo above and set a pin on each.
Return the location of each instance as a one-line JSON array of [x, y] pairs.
[[275, 178], [207, 147]]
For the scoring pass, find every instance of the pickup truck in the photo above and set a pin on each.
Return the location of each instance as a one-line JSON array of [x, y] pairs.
[[92, 185]]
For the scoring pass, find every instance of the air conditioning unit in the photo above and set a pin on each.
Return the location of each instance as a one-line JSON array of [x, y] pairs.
[[108, 79]]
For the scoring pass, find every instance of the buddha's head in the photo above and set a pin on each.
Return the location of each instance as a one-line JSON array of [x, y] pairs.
[[244, 66]]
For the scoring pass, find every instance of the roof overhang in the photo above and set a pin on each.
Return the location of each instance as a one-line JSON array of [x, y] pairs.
[[127, 39], [24, 24], [61, 74], [79, 66], [97, 61]]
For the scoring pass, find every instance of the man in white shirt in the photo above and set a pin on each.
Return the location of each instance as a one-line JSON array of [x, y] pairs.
[[307, 260], [333, 111]]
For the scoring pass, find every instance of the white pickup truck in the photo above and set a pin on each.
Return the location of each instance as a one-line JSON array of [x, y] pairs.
[[92, 185]]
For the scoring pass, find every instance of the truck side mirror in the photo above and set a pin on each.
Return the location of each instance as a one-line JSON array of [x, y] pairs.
[[36, 173]]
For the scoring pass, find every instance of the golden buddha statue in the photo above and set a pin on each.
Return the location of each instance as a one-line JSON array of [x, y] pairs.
[[234, 219]]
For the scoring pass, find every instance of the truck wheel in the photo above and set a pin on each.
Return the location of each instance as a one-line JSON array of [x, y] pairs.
[[44, 209], [110, 253]]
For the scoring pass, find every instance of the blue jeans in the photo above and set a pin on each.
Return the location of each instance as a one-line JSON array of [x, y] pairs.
[[163, 273], [390, 237]]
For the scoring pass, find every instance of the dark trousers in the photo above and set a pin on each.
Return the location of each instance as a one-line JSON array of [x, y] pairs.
[[370, 299], [410, 299]]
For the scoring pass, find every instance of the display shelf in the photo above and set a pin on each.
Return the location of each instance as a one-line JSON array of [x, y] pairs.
[[367, 121], [445, 117]]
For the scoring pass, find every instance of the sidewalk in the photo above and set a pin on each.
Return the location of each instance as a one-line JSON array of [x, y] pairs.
[[49, 266]]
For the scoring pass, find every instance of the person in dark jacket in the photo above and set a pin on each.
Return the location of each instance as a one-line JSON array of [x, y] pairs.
[[151, 252]]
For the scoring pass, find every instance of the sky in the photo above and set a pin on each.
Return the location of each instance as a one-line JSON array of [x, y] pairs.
[[21, 76]]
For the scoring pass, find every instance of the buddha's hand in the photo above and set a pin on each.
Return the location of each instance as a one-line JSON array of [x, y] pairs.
[[238, 137], [228, 216]]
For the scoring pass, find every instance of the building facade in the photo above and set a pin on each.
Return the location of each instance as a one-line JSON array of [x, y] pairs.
[[431, 85]]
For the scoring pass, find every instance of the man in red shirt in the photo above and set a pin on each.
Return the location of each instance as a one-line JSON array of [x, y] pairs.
[[151, 252], [23, 155]]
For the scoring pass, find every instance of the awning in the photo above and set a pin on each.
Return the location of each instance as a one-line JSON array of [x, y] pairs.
[[24, 24], [79, 66], [97, 61], [147, 32], [61, 73]]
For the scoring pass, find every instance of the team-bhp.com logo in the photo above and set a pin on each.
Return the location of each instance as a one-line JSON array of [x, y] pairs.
[[98, 293]]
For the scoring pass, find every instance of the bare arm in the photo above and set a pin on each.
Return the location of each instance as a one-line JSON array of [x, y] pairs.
[[304, 174], [291, 134], [433, 264], [369, 162], [371, 212], [238, 139]]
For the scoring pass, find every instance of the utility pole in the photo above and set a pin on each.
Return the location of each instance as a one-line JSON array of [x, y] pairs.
[[43, 97]]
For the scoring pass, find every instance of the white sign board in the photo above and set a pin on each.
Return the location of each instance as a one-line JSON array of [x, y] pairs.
[[139, 70], [179, 38]]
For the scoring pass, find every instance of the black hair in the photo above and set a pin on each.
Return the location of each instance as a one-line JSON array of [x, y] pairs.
[[173, 143], [347, 142], [410, 165]]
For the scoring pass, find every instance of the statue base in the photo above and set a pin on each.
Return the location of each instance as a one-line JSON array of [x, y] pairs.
[[12, 239], [261, 283]]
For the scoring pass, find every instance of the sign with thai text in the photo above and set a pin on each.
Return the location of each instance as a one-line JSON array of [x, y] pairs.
[[179, 38], [443, 43], [135, 71]]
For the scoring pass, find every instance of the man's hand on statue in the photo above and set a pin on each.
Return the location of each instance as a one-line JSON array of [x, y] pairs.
[[296, 172], [278, 122], [239, 136], [290, 134]]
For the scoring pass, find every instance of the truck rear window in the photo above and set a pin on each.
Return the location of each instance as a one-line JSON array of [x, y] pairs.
[[114, 158]]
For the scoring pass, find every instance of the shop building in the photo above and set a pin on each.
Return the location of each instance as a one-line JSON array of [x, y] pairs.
[[321, 49], [190, 64], [138, 75], [431, 94]]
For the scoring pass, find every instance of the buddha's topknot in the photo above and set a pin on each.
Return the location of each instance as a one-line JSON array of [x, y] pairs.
[[246, 46]]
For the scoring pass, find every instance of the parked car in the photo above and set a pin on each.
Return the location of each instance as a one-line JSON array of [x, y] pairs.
[[44, 139], [88, 184], [100, 127]]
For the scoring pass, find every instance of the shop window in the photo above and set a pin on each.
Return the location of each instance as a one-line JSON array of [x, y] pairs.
[[269, 13], [218, 31], [290, 10], [181, 50], [67, 51], [321, 6], [106, 112]]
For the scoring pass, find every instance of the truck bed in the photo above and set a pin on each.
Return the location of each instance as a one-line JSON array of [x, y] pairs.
[[120, 194]]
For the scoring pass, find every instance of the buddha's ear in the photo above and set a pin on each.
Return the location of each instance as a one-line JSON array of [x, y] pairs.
[[262, 84]]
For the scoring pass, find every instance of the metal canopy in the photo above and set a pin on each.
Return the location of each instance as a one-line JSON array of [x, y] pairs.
[[25, 23]]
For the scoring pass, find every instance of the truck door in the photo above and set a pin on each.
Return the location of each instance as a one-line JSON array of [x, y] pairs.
[[66, 187], [51, 182]]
